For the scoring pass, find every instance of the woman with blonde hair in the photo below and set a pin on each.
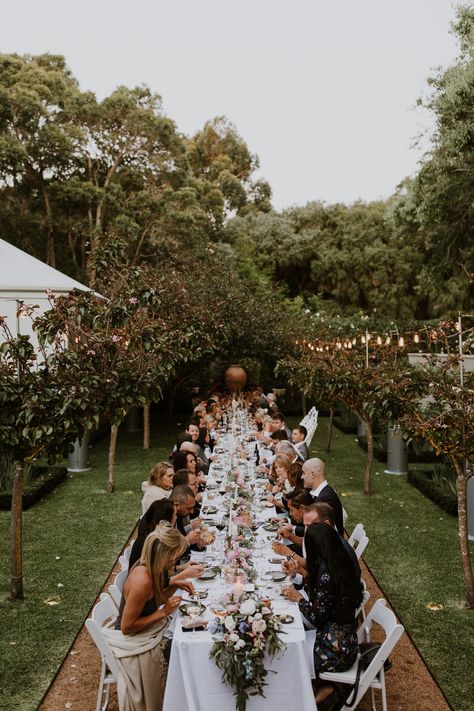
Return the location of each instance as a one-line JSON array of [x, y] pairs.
[[158, 486], [147, 602]]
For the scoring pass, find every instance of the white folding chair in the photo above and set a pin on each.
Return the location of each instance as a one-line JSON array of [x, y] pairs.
[[373, 677], [125, 557], [116, 589], [358, 540], [310, 421], [365, 600], [104, 612]]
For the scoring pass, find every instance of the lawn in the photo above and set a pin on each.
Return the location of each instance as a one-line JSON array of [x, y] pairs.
[[73, 538], [414, 554], [71, 542]]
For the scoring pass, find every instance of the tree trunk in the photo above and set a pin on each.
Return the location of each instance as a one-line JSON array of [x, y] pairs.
[[112, 449], [370, 456], [146, 425], [50, 249], [303, 404], [331, 421], [461, 487], [16, 543]]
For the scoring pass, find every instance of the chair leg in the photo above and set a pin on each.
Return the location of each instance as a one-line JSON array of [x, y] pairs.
[[101, 687], [383, 689], [107, 697]]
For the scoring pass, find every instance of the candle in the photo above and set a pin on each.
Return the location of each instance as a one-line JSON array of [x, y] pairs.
[[238, 587], [236, 490]]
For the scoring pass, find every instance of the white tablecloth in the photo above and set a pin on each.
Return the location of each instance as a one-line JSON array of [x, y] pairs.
[[195, 683]]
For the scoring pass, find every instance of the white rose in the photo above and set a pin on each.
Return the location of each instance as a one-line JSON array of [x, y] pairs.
[[229, 623], [234, 637], [240, 644], [258, 616], [248, 607], [259, 626]]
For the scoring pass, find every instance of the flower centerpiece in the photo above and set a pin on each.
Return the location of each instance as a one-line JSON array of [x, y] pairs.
[[250, 631], [239, 555]]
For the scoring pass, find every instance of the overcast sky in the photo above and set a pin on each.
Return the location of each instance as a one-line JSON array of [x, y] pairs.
[[323, 91]]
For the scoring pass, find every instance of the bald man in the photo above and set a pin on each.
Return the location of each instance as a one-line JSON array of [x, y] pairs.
[[314, 480]]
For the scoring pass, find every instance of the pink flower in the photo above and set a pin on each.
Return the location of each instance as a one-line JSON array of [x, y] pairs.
[[91, 353], [133, 300]]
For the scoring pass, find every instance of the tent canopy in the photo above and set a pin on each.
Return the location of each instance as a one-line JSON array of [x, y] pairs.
[[21, 272]]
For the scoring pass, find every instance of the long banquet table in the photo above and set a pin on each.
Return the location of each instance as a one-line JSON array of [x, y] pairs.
[[195, 683]]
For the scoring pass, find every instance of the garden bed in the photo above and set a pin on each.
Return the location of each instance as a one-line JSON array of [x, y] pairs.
[[433, 490], [44, 482]]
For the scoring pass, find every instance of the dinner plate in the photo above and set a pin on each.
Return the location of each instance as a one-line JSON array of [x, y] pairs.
[[278, 575], [270, 526], [208, 574], [184, 608], [209, 510], [276, 561], [285, 619]]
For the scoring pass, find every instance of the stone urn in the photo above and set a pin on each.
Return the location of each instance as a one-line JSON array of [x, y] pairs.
[[235, 378]]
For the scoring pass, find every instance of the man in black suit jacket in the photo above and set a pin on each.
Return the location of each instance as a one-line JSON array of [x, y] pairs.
[[298, 437], [314, 480]]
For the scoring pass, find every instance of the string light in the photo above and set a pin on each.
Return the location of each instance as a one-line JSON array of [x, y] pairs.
[[388, 341], [379, 340], [401, 342], [416, 338], [362, 339]]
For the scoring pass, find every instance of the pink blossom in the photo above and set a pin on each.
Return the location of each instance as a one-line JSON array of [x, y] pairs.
[[91, 353], [133, 300]]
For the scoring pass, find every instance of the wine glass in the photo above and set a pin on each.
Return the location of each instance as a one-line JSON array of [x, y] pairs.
[[194, 610]]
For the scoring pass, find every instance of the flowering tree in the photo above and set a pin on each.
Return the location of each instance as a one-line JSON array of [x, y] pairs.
[[375, 390], [445, 419], [42, 409]]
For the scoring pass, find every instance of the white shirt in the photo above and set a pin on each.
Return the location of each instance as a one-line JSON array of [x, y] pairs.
[[318, 490]]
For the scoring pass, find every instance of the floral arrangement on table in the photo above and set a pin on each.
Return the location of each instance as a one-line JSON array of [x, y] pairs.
[[250, 630], [239, 555]]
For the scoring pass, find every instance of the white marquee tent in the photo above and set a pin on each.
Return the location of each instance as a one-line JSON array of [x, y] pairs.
[[24, 278]]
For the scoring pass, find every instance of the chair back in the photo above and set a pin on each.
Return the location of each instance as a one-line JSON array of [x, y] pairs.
[[365, 600], [310, 421], [104, 611], [385, 618], [116, 589], [125, 557], [358, 540]]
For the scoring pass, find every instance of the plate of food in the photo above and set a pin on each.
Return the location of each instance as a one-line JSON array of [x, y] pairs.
[[276, 561], [209, 510], [278, 576], [285, 619], [208, 574], [271, 526], [184, 608]]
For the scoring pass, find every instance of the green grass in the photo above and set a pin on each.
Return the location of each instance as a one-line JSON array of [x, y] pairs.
[[413, 552], [73, 537]]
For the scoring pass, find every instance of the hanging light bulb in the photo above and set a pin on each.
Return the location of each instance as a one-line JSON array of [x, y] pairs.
[[349, 345], [354, 341], [362, 339], [401, 342], [379, 341], [369, 336], [388, 341], [416, 338]]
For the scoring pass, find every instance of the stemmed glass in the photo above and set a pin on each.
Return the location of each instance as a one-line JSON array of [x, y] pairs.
[[194, 610]]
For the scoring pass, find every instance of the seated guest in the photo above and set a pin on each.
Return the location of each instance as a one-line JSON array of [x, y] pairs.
[[147, 602], [298, 437], [201, 468], [288, 449], [279, 483], [333, 593], [158, 486], [321, 512], [184, 460], [180, 477], [185, 499], [278, 420], [162, 510], [314, 480]]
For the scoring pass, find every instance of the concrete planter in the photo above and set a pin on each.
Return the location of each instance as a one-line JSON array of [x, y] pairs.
[[397, 453], [78, 458]]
